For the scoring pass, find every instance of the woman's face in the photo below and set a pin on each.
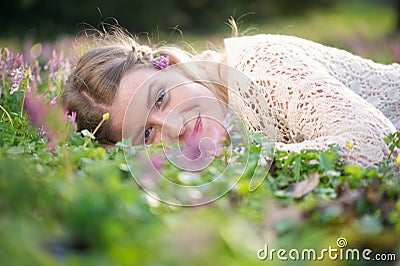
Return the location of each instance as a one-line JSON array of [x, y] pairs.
[[155, 106]]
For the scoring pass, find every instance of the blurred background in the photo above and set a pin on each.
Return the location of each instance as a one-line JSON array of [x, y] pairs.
[[366, 27]]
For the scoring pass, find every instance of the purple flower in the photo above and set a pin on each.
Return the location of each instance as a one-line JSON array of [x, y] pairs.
[[36, 69], [59, 69], [9, 62], [158, 162], [36, 110], [21, 78], [53, 101], [70, 117], [161, 61], [55, 62], [17, 76], [43, 117], [73, 117]]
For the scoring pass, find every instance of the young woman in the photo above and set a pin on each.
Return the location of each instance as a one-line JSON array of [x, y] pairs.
[[315, 95]]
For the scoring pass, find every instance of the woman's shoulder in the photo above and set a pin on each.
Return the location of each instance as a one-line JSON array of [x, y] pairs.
[[235, 46], [272, 42], [267, 39]]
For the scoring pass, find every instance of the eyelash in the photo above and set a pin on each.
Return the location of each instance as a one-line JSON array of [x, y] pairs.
[[161, 96], [159, 100], [147, 133]]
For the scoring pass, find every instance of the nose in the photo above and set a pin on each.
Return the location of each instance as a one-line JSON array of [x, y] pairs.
[[172, 127]]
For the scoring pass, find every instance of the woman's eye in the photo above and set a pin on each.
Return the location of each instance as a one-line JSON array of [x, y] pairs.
[[147, 133], [160, 98]]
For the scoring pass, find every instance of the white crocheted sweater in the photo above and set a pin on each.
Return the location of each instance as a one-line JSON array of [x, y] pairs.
[[315, 95]]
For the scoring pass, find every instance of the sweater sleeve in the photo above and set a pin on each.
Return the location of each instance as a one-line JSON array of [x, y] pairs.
[[310, 107]]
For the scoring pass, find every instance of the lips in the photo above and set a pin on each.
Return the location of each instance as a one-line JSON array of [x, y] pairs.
[[198, 127]]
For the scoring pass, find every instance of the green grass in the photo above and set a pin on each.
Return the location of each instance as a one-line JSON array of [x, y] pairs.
[[344, 21], [353, 25]]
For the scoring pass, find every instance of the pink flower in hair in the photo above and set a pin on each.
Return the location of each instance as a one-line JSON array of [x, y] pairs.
[[161, 61]]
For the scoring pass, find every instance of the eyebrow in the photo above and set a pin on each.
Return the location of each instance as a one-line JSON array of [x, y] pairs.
[[149, 105]]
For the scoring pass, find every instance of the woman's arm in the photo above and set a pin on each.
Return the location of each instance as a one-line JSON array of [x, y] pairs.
[[326, 112], [311, 108]]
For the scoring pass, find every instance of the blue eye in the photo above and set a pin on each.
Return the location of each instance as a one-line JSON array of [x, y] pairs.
[[160, 98], [147, 133]]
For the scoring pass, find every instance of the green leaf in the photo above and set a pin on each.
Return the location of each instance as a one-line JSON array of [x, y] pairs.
[[326, 161], [16, 150], [369, 224], [354, 171], [297, 168], [87, 133]]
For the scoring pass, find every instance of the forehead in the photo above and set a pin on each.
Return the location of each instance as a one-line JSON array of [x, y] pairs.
[[133, 85]]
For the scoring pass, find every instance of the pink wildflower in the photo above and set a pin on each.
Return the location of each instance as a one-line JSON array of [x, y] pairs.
[[9, 62], [53, 101], [17, 76], [59, 69], [161, 61], [70, 117], [38, 113], [158, 162]]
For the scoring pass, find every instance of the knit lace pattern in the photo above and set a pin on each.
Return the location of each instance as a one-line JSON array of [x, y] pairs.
[[315, 95]]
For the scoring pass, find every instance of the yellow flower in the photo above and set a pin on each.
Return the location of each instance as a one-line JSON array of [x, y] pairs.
[[398, 160], [106, 116], [350, 145]]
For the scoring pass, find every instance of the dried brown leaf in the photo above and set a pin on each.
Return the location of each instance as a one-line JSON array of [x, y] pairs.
[[305, 186]]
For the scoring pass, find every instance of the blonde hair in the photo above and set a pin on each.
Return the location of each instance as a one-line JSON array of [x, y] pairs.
[[93, 84]]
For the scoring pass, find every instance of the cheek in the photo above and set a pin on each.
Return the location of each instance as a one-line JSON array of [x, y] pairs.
[[192, 99], [192, 90], [190, 95], [157, 138]]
